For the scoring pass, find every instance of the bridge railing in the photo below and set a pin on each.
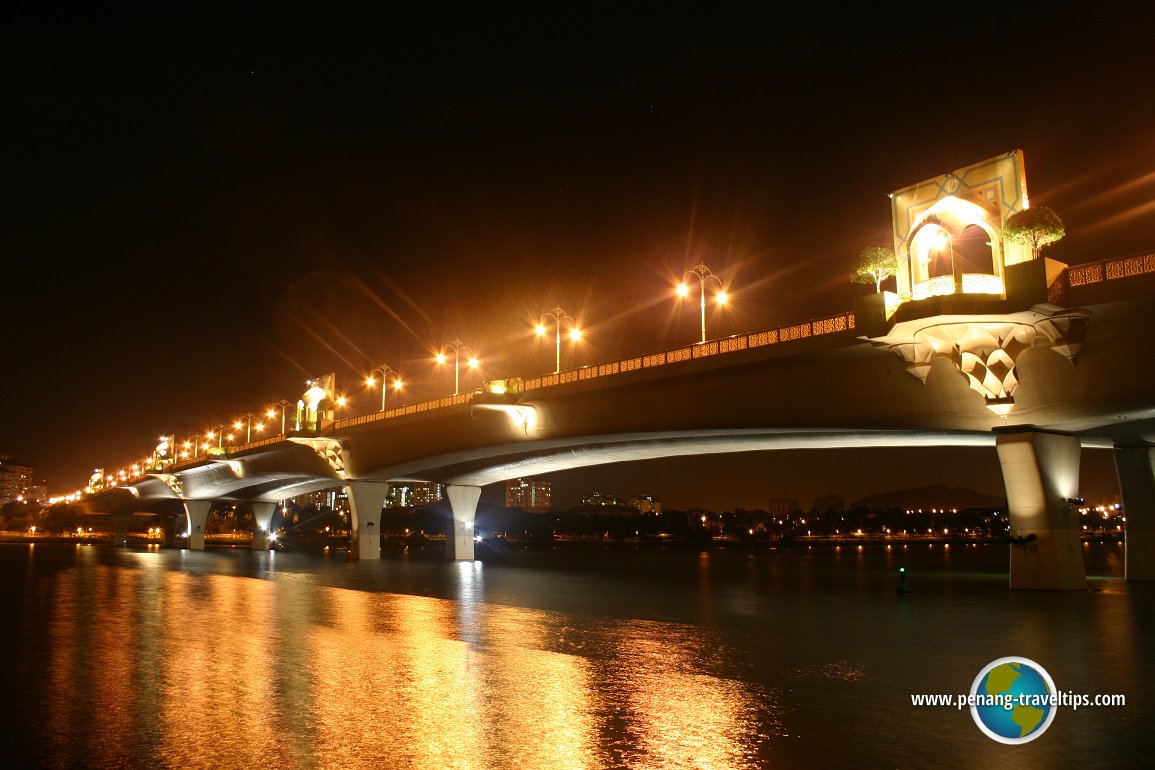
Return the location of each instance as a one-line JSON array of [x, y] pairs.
[[424, 406], [1099, 272], [838, 323]]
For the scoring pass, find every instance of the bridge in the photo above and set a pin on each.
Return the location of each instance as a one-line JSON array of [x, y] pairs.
[[1047, 361]]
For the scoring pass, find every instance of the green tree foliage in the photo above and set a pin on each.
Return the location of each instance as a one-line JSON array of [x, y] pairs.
[[1036, 227], [874, 265], [61, 517]]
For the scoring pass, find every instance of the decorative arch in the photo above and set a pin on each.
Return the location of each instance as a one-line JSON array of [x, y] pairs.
[[934, 250], [948, 231]]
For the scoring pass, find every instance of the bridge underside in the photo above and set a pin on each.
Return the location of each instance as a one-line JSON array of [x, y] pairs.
[[527, 460]]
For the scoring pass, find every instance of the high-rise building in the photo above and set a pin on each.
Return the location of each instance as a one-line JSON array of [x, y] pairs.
[[38, 491], [599, 498], [335, 499], [15, 478], [831, 502], [644, 503], [409, 494], [782, 506], [531, 495]]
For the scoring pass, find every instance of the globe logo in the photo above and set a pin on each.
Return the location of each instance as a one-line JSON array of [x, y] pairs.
[[1013, 700]]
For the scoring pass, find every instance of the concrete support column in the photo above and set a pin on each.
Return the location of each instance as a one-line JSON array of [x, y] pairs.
[[120, 522], [366, 499], [1135, 468], [463, 505], [170, 524], [262, 525], [197, 512], [1041, 476]]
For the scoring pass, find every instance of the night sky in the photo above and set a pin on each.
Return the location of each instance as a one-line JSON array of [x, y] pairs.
[[196, 223]]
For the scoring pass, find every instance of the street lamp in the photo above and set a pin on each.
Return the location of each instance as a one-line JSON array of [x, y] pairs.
[[193, 443], [217, 432], [702, 273], [283, 404], [458, 346], [248, 418], [384, 370], [558, 315]]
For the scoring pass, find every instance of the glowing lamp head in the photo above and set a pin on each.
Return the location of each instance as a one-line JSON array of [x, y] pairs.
[[441, 358], [540, 329], [683, 290], [398, 384], [341, 401], [271, 413], [721, 297], [473, 362], [370, 380], [237, 424], [575, 334]]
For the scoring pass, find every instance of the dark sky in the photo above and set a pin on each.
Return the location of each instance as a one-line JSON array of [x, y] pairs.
[[198, 221]]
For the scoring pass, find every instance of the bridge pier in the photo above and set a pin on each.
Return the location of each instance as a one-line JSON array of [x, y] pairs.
[[1135, 469], [262, 525], [169, 525], [463, 506], [197, 512], [120, 522], [366, 499], [1041, 476]]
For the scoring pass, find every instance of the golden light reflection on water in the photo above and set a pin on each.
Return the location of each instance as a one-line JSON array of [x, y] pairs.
[[417, 695], [220, 708], [63, 667], [214, 670], [679, 717]]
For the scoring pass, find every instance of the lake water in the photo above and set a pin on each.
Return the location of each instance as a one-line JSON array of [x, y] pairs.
[[563, 658]]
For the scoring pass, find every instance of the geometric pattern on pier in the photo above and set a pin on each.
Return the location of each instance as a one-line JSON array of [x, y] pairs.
[[172, 481], [328, 449], [985, 353]]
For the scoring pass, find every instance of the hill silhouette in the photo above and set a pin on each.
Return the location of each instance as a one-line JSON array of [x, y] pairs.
[[933, 496]]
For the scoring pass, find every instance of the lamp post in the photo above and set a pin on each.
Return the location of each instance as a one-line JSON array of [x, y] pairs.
[[248, 417], [192, 442], [458, 346], [384, 370], [703, 274], [283, 405], [217, 432], [558, 315]]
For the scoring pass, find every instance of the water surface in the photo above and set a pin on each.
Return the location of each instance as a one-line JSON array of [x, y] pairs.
[[563, 658]]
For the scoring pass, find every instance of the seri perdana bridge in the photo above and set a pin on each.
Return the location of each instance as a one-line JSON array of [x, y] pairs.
[[1000, 348]]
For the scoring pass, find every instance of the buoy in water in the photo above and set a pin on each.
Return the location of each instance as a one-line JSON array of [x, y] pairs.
[[903, 588]]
